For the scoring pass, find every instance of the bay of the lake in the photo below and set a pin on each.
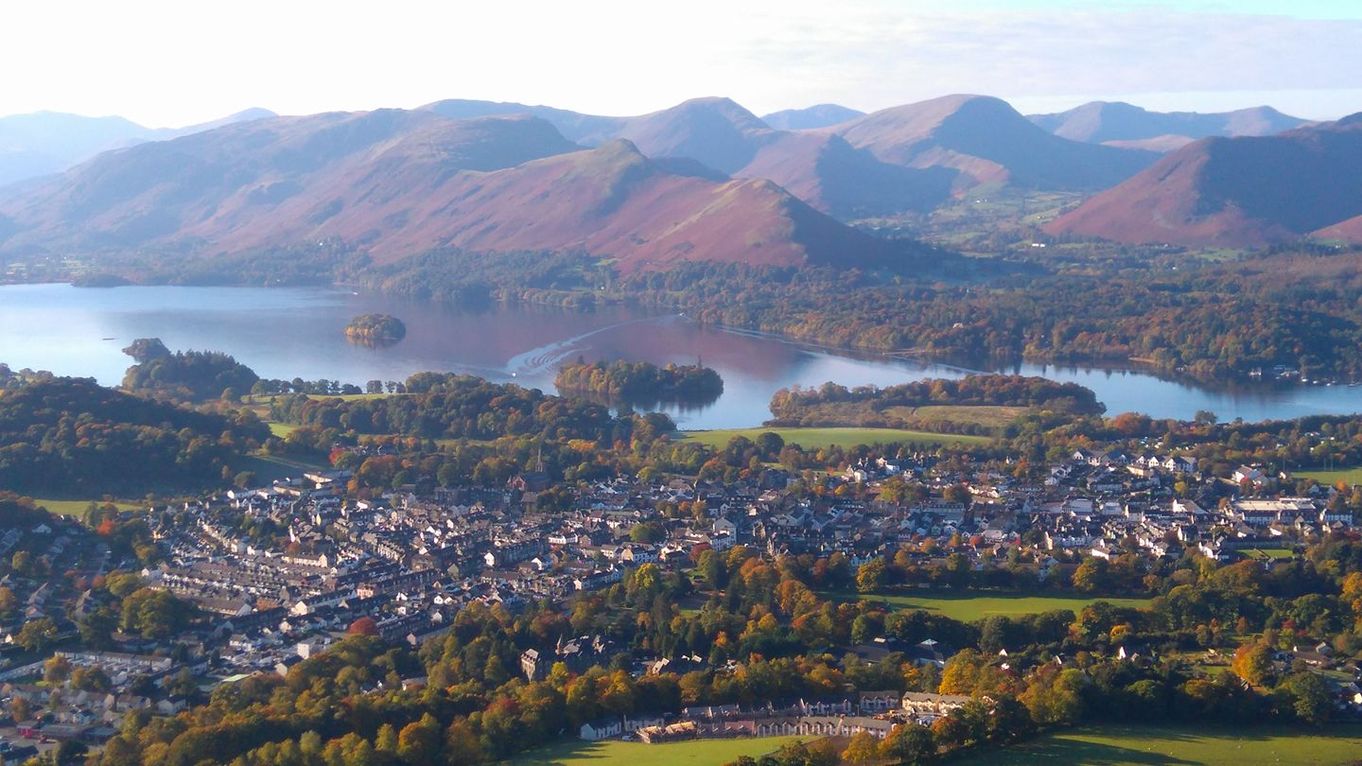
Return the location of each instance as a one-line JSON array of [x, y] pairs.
[[298, 332]]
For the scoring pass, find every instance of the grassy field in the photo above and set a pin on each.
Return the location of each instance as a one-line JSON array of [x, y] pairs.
[[704, 752], [77, 507], [986, 415], [282, 429], [1345, 475], [1183, 746], [970, 606], [813, 438]]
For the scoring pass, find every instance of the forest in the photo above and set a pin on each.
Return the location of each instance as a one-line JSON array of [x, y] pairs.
[[70, 435], [185, 375]]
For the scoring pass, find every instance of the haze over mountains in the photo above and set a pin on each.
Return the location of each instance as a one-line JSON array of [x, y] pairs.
[[1128, 126], [40, 143], [706, 179]]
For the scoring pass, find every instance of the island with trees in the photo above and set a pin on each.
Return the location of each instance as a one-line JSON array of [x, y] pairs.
[[641, 382], [376, 329]]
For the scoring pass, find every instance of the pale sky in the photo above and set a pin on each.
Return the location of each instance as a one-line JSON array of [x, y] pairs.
[[176, 62]]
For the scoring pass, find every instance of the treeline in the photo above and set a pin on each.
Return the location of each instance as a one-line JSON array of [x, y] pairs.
[[185, 375], [892, 406], [635, 382], [70, 435], [448, 406], [1210, 322]]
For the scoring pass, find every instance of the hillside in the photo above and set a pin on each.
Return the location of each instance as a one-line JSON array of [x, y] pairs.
[[397, 184], [984, 140], [1235, 192], [819, 116], [1122, 124], [41, 143]]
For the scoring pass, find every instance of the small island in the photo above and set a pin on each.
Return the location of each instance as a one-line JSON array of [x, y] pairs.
[[376, 329], [641, 382]]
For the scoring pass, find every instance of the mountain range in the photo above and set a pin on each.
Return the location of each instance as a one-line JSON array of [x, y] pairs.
[[706, 179], [1127, 126], [1237, 192], [400, 183], [41, 143]]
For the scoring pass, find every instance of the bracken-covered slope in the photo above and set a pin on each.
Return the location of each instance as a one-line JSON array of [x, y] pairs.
[[397, 184], [1235, 192], [987, 141]]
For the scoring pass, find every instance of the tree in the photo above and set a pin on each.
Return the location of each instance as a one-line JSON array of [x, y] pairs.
[[37, 635], [1310, 697], [862, 748], [419, 741], [56, 670], [364, 626], [870, 577], [909, 744], [1253, 663]]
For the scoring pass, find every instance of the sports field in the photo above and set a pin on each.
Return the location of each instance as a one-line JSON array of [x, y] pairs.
[[1182, 746], [971, 606]]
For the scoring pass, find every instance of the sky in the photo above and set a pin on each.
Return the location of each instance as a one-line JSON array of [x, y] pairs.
[[169, 64]]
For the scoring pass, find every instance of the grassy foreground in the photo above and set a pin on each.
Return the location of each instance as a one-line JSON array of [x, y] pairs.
[[969, 606], [1183, 746], [702, 752], [813, 438], [1345, 475]]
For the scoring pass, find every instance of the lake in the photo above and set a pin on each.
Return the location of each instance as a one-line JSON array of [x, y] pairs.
[[298, 332]]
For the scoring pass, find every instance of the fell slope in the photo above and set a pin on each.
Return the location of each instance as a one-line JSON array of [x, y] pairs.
[[398, 184], [1235, 192], [986, 141]]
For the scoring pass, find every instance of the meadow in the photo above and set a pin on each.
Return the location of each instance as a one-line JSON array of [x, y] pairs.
[[813, 438], [1346, 475], [970, 606]]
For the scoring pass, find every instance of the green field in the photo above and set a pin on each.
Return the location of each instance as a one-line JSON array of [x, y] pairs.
[[1183, 746], [986, 415], [282, 429], [813, 438], [971, 606], [703, 752], [77, 507], [1345, 475]]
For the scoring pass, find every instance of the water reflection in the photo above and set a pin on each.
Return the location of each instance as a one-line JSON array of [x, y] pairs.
[[287, 333]]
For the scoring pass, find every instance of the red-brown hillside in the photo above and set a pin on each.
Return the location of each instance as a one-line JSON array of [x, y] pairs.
[[988, 141], [399, 184], [1234, 192]]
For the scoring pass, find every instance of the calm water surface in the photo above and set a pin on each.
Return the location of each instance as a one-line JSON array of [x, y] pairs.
[[287, 333]]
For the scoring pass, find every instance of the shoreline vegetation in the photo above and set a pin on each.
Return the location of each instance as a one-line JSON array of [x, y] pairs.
[[636, 383]]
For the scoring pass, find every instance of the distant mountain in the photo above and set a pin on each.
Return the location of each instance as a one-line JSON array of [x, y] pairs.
[[1235, 192], [1348, 231], [1121, 124], [986, 141], [820, 116], [41, 143], [584, 129], [400, 183]]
